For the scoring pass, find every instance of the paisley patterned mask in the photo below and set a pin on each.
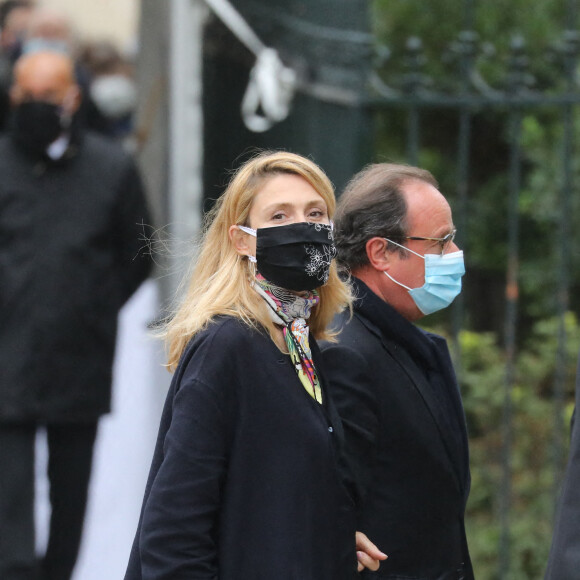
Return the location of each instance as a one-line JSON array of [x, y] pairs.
[[294, 256]]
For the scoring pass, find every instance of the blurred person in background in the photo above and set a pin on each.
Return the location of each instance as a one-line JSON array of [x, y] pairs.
[[111, 87], [51, 30], [72, 210], [14, 19], [564, 559]]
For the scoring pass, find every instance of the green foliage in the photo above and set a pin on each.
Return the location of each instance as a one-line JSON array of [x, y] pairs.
[[543, 195], [438, 24], [548, 208], [483, 386]]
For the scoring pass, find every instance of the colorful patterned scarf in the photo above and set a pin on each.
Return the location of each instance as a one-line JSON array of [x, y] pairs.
[[291, 310]]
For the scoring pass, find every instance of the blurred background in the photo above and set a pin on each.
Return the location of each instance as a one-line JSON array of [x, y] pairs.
[[483, 94], [113, 20]]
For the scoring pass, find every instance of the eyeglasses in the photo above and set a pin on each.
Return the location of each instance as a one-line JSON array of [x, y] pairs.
[[443, 242]]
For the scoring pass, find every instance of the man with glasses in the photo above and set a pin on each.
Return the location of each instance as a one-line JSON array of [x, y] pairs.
[[394, 383]]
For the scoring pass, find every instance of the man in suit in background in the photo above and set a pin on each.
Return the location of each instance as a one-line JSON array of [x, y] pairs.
[[15, 16], [564, 560], [72, 212], [394, 383]]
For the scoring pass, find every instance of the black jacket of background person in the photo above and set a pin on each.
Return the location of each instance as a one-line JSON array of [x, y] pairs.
[[245, 482], [564, 560], [396, 391], [70, 238]]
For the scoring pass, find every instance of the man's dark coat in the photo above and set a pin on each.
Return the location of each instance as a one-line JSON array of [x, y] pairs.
[[70, 238], [396, 391], [564, 560]]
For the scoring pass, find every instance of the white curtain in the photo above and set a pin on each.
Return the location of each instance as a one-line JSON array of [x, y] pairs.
[[124, 446]]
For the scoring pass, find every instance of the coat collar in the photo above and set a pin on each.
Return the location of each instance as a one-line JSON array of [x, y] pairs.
[[393, 326], [75, 138], [417, 351]]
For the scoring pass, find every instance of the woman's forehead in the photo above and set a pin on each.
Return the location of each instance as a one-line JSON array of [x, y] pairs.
[[286, 189]]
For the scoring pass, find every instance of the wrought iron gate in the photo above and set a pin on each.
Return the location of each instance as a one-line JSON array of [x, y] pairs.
[[343, 94]]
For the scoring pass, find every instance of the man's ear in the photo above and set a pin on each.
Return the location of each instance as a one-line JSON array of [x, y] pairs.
[[240, 240], [377, 254]]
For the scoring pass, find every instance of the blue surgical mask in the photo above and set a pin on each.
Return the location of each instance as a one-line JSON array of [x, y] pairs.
[[442, 280], [40, 44]]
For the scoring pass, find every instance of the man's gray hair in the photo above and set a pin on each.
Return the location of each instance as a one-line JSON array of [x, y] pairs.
[[373, 205]]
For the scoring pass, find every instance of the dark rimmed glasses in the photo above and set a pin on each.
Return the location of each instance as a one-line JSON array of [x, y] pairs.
[[443, 242]]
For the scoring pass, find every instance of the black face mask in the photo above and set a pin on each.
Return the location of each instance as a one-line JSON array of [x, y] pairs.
[[36, 124], [296, 256]]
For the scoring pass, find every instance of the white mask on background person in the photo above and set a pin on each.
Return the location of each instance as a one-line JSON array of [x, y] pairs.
[[115, 95]]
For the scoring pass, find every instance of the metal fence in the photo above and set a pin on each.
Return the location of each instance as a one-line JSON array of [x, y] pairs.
[[415, 93], [331, 47]]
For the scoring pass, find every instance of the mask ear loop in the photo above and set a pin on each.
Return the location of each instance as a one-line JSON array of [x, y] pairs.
[[252, 269], [396, 281], [247, 230], [251, 259], [408, 250]]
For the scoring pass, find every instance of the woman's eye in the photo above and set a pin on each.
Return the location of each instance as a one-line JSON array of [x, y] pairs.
[[317, 214], [278, 216]]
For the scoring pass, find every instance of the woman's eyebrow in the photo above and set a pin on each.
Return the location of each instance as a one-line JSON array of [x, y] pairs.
[[320, 202], [278, 205], [290, 205]]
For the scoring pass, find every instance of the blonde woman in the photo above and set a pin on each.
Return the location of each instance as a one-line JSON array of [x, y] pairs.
[[245, 481]]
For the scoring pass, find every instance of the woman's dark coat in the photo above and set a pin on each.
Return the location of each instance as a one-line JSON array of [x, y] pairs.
[[244, 483], [70, 238]]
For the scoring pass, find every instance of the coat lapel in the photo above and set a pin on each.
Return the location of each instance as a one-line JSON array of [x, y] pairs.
[[455, 457], [454, 393]]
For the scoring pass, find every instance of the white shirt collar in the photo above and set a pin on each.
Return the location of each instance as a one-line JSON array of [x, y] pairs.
[[58, 147]]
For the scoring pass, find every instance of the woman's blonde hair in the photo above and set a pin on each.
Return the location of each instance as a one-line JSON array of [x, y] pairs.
[[221, 279]]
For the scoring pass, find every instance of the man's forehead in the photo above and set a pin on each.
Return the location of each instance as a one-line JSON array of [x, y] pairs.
[[48, 81], [425, 203]]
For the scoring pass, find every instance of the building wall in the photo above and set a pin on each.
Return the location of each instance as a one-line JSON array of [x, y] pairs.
[[116, 20]]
